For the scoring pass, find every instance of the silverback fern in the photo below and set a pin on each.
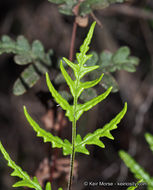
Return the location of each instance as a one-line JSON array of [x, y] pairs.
[[73, 112]]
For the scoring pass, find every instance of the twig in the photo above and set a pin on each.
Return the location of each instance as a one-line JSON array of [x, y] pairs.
[[71, 54], [76, 11], [96, 19], [128, 11]]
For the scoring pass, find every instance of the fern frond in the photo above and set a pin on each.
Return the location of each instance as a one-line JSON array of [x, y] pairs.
[[48, 137], [136, 169], [149, 139], [76, 86], [18, 172], [94, 138]]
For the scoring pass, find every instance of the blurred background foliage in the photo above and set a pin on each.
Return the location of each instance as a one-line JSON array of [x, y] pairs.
[[35, 35]]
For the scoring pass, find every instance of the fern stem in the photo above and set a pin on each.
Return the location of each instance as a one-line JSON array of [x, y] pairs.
[[72, 155], [71, 53], [73, 144], [73, 134]]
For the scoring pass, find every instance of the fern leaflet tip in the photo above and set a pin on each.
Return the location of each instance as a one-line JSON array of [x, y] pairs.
[[25, 181], [149, 139]]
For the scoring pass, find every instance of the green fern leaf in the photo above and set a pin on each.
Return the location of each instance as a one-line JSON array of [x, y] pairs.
[[136, 169], [73, 112], [94, 138], [48, 186], [82, 57], [26, 180], [68, 79], [77, 69], [48, 137], [149, 139], [59, 99], [77, 87], [80, 69]]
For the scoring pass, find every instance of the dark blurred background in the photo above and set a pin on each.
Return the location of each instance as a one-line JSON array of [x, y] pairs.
[[39, 19]]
